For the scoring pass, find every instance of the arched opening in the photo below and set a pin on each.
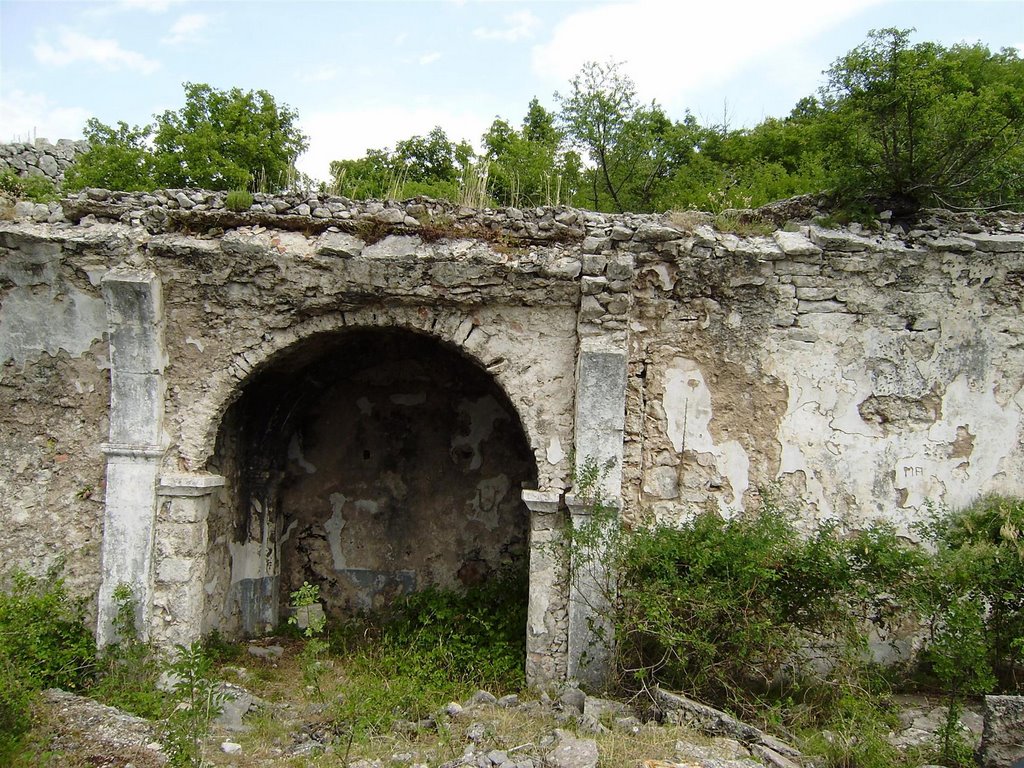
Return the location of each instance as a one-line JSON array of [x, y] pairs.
[[371, 462]]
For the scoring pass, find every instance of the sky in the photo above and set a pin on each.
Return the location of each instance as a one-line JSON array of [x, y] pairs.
[[366, 74]]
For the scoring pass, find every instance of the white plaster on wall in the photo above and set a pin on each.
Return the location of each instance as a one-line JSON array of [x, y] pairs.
[[295, 454], [688, 409], [891, 472], [481, 414], [555, 453], [334, 525]]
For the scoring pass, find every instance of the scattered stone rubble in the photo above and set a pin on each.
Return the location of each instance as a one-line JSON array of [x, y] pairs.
[[112, 738]]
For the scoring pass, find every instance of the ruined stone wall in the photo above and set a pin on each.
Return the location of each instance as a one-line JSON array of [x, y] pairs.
[[862, 373], [41, 158]]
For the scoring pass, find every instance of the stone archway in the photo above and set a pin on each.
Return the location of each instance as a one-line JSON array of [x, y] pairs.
[[372, 462]]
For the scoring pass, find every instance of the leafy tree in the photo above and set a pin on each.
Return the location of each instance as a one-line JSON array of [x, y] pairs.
[[916, 125], [219, 140], [595, 115], [530, 166], [118, 158], [632, 148], [430, 165], [227, 140]]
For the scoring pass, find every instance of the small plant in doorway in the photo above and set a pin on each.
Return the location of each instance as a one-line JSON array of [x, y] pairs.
[[309, 617]]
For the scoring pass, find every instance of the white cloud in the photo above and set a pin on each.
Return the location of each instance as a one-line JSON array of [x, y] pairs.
[[146, 6], [671, 49], [152, 6], [518, 26], [28, 115], [428, 58], [320, 74], [347, 134], [186, 29], [74, 47]]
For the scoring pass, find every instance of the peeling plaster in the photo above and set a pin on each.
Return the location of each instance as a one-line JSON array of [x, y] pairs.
[[688, 408], [295, 454], [481, 415]]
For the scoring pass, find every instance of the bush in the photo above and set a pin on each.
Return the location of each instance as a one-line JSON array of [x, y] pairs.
[[15, 703], [38, 189], [238, 200], [751, 611], [433, 647], [44, 643], [43, 634]]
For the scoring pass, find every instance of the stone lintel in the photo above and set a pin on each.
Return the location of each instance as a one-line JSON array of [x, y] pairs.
[[542, 502], [188, 484]]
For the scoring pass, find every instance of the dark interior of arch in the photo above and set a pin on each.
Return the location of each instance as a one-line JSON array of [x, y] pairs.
[[372, 463]]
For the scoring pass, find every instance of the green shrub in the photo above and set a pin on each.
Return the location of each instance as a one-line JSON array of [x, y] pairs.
[[43, 634], [15, 703], [979, 562], [750, 611], [432, 647], [238, 200], [722, 608], [38, 189]]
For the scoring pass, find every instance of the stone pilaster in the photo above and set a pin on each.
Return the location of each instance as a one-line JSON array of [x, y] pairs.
[[137, 359], [594, 509], [547, 614], [179, 567]]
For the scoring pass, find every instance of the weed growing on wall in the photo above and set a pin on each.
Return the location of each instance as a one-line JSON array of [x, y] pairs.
[[129, 668], [238, 200]]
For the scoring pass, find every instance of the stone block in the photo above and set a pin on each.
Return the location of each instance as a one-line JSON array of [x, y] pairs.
[[339, 244], [1002, 737], [795, 244], [807, 307], [620, 267], [175, 570], [998, 243]]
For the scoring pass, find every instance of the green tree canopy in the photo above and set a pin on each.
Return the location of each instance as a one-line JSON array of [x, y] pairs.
[[430, 165], [118, 158], [227, 140], [219, 140], [530, 166], [916, 125]]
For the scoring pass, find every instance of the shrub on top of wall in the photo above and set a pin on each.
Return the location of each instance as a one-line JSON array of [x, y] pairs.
[[238, 200]]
